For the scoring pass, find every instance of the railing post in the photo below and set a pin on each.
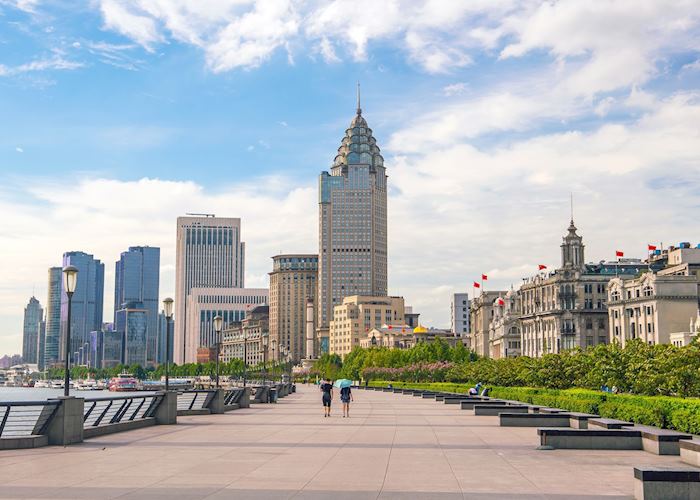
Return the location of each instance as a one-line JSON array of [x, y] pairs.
[[166, 412], [244, 401], [66, 425], [216, 405]]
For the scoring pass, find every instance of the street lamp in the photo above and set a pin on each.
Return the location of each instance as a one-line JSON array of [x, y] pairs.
[[218, 323], [265, 340], [245, 355], [275, 360], [70, 282], [168, 308]]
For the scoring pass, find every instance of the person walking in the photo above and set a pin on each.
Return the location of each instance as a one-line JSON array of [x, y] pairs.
[[327, 398], [345, 398]]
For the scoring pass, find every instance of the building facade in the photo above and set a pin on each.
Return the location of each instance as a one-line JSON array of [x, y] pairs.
[[244, 339], [33, 316], [504, 330], [131, 321], [53, 317], [232, 304], [357, 315], [209, 254], [481, 313], [292, 283], [87, 303], [352, 254], [459, 314], [137, 279]]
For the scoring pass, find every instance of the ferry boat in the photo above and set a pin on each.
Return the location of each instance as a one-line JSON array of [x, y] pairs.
[[123, 382], [86, 385], [42, 384]]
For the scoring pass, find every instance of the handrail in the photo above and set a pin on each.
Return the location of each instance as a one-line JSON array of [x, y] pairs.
[[31, 403], [113, 398], [25, 418], [99, 412]]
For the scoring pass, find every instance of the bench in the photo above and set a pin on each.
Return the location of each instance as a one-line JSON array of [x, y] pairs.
[[580, 420], [690, 451], [662, 441], [590, 439], [469, 404], [494, 410], [512, 419], [608, 423], [656, 483], [551, 410], [453, 400]]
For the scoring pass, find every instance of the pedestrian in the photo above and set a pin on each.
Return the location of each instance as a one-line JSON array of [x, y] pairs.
[[345, 398], [327, 390]]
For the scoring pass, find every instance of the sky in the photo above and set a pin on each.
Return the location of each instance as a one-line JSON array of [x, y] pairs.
[[117, 116]]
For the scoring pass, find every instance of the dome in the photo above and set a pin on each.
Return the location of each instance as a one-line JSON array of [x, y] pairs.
[[358, 147], [420, 329]]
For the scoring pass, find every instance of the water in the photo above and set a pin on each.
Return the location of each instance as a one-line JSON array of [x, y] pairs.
[[42, 393]]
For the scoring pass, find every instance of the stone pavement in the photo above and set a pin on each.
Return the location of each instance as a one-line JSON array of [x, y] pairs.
[[393, 446]]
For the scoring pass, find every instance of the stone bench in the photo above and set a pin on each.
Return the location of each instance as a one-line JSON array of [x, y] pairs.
[[690, 451], [580, 420], [655, 483], [608, 423], [590, 439], [662, 441], [453, 400], [512, 419], [469, 404], [494, 410], [545, 409]]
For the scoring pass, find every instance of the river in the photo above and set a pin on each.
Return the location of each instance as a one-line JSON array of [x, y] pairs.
[[42, 393]]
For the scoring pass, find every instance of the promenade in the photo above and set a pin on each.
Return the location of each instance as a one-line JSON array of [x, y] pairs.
[[393, 446]]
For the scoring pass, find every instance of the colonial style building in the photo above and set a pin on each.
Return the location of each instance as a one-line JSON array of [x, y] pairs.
[[504, 330], [481, 313], [357, 315], [247, 339], [405, 337], [352, 205]]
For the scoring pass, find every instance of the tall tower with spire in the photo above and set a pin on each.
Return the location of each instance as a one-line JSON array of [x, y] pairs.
[[572, 249], [352, 211]]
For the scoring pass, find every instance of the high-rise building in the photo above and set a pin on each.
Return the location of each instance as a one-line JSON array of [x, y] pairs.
[[204, 304], [33, 315], [459, 314], [357, 315], [292, 282], [352, 208], [136, 279], [41, 345], [131, 321], [88, 298], [53, 317], [209, 254], [162, 343]]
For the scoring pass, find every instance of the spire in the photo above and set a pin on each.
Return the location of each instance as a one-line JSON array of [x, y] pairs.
[[359, 109], [572, 208]]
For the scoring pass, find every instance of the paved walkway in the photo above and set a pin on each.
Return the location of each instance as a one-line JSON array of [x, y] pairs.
[[393, 446]]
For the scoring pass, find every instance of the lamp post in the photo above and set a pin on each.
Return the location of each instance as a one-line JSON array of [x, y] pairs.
[[265, 340], [168, 308], [245, 355], [218, 323], [70, 281], [274, 360]]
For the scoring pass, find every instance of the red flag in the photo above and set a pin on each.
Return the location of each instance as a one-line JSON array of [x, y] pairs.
[[501, 302], [541, 267], [390, 327], [484, 277], [476, 285], [651, 248], [619, 253]]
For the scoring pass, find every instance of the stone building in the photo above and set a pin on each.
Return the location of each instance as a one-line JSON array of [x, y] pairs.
[[357, 315], [245, 339], [405, 337], [292, 283], [352, 253], [504, 330], [481, 314]]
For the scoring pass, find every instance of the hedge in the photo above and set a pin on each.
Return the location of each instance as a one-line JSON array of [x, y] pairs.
[[682, 414]]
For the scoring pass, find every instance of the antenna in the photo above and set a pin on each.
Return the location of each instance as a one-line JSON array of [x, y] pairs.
[[359, 109], [572, 207]]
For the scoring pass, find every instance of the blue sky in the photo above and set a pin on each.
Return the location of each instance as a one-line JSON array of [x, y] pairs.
[[119, 115]]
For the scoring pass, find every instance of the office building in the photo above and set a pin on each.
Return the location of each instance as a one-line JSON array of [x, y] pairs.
[[136, 279], [33, 315], [87, 303], [459, 314], [357, 315], [244, 339], [292, 283], [209, 254], [131, 321], [504, 330], [352, 224], [204, 304], [162, 343], [112, 343], [41, 345], [481, 313], [53, 317]]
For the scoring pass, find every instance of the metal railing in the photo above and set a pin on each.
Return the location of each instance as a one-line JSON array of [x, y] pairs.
[[194, 400], [233, 396], [113, 410], [25, 418]]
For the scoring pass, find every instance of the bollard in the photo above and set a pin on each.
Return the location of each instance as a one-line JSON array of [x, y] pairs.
[[166, 413], [66, 426], [216, 405]]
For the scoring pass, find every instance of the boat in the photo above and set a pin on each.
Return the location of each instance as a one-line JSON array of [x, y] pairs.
[[86, 385], [57, 384], [123, 382], [42, 384]]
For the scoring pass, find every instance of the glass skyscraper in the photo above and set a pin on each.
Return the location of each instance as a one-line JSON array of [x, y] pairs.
[[86, 314], [136, 279], [132, 322], [352, 254], [33, 315], [53, 317]]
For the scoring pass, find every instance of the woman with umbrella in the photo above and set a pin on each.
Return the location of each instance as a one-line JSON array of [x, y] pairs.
[[345, 394]]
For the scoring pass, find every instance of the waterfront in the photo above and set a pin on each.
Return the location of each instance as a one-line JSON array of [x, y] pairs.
[[41, 393]]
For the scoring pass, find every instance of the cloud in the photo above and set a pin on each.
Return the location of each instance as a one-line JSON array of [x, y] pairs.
[[28, 6], [56, 62], [19, 150], [454, 89]]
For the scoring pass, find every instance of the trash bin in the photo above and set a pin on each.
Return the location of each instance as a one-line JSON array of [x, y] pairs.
[[294, 388], [273, 395]]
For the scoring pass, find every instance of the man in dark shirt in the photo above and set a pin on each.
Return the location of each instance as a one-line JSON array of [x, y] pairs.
[[327, 390]]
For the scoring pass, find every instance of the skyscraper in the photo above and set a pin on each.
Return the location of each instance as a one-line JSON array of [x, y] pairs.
[[131, 320], [352, 222], [459, 314], [41, 345], [53, 317], [88, 298], [292, 282], [136, 279], [33, 315], [209, 254]]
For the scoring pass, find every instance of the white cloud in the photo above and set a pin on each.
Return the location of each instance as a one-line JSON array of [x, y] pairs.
[[455, 89], [19, 150], [24, 5], [57, 62], [327, 51]]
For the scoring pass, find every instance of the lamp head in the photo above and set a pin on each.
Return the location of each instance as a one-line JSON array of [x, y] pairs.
[[218, 323], [70, 279], [168, 307]]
